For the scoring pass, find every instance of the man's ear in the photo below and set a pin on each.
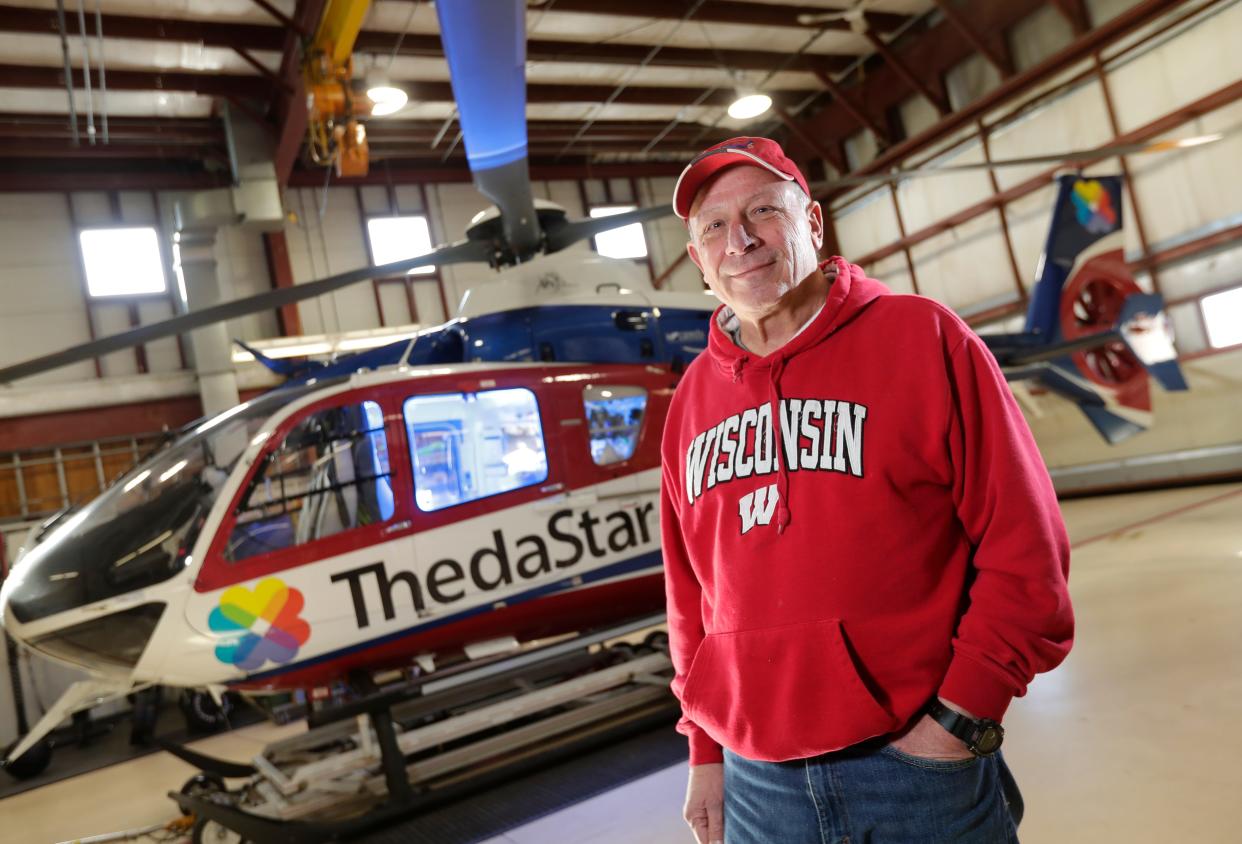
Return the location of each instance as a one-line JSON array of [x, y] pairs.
[[815, 215], [694, 255]]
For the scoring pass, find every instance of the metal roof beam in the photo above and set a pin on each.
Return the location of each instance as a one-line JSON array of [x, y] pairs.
[[208, 33], [1076, 12], [996, 53], [726, 11], [856, 110], [150, 129], [261, 37], [942, 47], [290, 108], [207, 84], [64, 148], [932, 90], [633, 94], [458, 172]]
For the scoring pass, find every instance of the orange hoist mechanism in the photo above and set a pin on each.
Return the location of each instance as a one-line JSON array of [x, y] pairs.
[[334, 101]]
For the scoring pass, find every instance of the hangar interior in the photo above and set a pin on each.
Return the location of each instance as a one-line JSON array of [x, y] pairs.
[[188, 101]]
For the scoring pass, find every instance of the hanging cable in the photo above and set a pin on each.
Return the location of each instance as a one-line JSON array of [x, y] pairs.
[[586, 127], [64, 49], [397, 46], [857, 63], [103, 77], [681, 113], [771, 73], [448, 121], [86, 72]]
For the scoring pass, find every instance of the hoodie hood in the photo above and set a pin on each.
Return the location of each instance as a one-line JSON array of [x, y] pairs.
[[849, 294]]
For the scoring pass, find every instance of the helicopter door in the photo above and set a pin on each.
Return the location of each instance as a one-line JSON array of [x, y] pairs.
[[325, 486]]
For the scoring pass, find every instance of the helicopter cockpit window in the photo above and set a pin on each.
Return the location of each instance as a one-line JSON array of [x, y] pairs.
[[614, 419], [329, 475], [466, 446]]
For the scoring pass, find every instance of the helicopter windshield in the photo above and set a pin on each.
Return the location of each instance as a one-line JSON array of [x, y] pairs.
[[140, 531]]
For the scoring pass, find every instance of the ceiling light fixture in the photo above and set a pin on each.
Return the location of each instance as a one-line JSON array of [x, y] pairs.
[[748, 105], [386, 97]]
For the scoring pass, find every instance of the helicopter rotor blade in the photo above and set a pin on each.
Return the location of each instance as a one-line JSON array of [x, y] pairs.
[[456, 253], [485, 44], [571, 232]]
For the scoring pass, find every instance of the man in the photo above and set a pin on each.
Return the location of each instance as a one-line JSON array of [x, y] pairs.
[[865, 559]]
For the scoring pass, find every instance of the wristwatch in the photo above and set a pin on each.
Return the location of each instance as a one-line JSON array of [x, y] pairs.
[[983, 737]]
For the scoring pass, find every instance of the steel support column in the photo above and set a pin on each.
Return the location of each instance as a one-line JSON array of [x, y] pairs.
[[1004, 218], [212, 347], [901, 227], [280, 270], [1115, 125]]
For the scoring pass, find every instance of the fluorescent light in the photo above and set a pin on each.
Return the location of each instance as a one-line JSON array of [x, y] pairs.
[[356, 343], [747, 106], [325, 344], [386, 98], [298, 350]]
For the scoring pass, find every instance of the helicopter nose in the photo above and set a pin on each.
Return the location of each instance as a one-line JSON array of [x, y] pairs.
[[8, 588]]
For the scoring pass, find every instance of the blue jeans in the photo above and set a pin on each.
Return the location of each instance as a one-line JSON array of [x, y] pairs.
[[870, 793]]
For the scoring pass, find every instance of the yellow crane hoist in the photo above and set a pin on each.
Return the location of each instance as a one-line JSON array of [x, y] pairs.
[[335, 101]]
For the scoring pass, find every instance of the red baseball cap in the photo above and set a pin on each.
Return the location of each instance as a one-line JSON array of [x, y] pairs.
[[758, 152]]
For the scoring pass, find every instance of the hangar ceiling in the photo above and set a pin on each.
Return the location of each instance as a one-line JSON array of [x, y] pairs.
[[631, 85]]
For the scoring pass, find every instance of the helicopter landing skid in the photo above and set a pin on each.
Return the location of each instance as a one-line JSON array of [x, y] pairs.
[[398, 752]]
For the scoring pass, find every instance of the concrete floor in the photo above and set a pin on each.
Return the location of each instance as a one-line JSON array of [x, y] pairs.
[[1135, 738]]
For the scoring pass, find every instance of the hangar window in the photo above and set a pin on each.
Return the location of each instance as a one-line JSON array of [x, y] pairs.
[[614, 420], [329, 475], [467, 446], [625, 242], [1222, 314], [122, 261], [398, 238]]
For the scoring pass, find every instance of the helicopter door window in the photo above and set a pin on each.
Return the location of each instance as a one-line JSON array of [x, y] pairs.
[[466, 446], [329, 475], [614, 420]]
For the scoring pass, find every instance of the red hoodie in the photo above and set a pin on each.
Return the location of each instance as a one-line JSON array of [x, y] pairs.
[[852, 524]]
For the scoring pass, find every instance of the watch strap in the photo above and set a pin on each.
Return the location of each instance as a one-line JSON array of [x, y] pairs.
[[955, 722], [982, 737]]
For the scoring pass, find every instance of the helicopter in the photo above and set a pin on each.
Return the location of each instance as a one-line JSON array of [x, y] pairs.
[[487, 482]]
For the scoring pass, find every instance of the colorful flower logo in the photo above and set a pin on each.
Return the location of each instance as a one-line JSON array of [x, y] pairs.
[[268, 620], [1094, 207]]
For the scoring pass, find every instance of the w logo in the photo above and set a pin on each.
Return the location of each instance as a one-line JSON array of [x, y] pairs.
[[756, 508]]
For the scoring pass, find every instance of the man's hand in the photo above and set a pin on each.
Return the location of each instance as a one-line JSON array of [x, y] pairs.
[[704, 809], [929, 740]]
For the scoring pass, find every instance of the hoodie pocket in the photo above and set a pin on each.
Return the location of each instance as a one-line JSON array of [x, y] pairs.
[[782, 693]]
